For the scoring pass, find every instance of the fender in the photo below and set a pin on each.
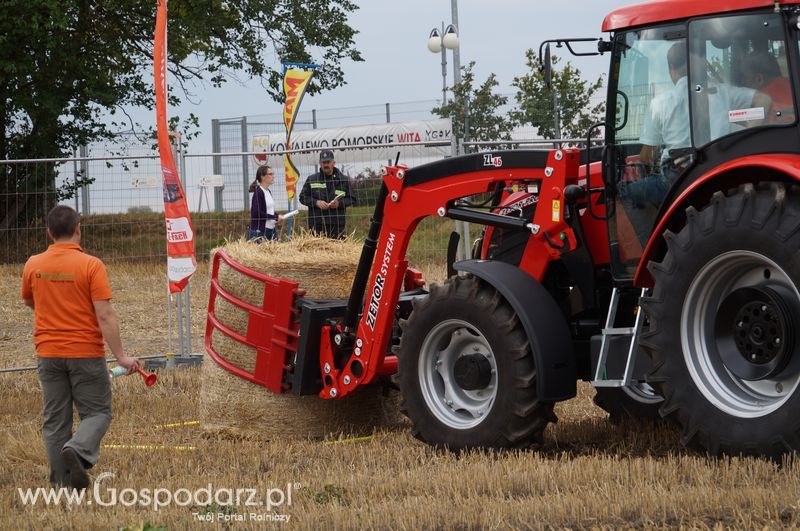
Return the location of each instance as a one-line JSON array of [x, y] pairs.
[[787, 164], [552, 351]]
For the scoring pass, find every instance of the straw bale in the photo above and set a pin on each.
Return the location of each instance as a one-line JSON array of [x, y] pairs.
[[325, 269], [229, 404], [234, 352], [231, 316]]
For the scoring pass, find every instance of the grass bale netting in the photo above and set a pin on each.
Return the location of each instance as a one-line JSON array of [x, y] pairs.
[[324, 269]]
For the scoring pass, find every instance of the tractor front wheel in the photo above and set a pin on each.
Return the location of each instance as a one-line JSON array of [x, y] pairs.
[[466, 372]]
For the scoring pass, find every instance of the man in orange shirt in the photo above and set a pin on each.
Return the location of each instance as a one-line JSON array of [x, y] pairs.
[[760, 71], [69, 293]]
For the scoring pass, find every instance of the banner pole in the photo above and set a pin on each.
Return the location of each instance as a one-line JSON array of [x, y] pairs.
[[170, 352], [179, 314], [188, 319]]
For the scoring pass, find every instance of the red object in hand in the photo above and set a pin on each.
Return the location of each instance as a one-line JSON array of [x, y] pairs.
[[149, 379]]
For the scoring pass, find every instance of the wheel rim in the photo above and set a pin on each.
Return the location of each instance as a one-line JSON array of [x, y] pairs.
[[643, 393], [451, 404], [722, 362]]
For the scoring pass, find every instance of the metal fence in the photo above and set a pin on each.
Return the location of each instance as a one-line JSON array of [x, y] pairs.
[[122, 221], [122, 207], [118, 192]]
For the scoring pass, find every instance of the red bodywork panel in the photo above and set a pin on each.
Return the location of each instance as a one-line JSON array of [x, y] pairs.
[[404, 209], [272, 329], [595, 231], [784, 163], [666, 10]]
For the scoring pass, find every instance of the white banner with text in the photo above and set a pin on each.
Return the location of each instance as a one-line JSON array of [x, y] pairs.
[[358, 142]]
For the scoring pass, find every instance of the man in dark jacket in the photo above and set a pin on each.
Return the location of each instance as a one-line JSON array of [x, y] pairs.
[[327, 196]]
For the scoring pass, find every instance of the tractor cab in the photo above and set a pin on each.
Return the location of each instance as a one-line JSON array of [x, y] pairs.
[[687, 96], [687, 92]]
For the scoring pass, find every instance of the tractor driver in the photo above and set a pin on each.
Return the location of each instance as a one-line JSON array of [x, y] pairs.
[[667, 128]]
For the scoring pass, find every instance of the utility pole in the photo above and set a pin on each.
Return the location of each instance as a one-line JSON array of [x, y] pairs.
[[456, 57]]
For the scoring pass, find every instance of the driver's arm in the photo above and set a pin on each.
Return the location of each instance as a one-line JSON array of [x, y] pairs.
[[648, 155]]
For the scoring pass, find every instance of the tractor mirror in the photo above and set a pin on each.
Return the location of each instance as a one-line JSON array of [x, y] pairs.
[[548, 68]]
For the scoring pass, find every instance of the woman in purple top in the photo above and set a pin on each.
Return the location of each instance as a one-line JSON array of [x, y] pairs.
[[262, 208]]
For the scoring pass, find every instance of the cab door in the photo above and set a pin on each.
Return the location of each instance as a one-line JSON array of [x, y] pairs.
[[642, 89]]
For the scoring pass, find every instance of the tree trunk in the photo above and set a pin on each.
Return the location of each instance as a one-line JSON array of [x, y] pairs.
[[16, 206]]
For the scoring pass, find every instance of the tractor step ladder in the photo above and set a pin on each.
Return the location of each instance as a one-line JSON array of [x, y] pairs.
[[600, 379]]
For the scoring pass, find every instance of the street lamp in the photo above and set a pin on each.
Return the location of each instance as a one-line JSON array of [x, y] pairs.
[[438, 42]]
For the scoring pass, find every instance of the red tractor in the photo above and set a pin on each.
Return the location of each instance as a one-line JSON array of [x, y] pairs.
[[662, 267]]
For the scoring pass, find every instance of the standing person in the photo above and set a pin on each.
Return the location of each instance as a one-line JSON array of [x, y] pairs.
[[70, 296], [327, 196], [262, 207]]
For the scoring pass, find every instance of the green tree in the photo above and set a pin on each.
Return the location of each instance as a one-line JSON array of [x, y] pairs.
[[575, 97], [65, 64], [484, 122]]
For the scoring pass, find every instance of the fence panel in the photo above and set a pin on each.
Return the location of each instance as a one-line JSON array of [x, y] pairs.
[[122, 206], [117, 189]]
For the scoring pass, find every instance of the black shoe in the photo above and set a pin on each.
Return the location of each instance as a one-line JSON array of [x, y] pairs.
[[78, 477]]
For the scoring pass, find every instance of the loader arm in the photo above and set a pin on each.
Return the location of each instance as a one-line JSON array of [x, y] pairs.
[[361, 345]]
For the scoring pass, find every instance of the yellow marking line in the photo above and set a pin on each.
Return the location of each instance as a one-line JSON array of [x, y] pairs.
[[347, 441], [148, 447], [178, 424]]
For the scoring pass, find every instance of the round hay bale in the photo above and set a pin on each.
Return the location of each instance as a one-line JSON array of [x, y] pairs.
[[324, 268], [229, 404], [236, 353]]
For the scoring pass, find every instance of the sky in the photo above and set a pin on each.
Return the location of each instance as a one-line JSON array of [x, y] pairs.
[[398, 67]]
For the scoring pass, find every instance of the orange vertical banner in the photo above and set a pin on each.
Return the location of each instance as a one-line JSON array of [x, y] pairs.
[[180, 232], [294, 87]]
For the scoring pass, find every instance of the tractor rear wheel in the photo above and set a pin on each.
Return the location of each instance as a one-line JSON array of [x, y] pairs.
[[724, 315], [466, 371]]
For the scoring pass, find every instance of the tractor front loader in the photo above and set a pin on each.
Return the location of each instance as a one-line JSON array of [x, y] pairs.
[[481, 359]]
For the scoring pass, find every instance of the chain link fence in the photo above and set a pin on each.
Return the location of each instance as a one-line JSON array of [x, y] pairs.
[[118, 192]]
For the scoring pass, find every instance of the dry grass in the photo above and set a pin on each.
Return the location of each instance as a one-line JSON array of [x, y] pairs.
[[140, 300], [588, 474]]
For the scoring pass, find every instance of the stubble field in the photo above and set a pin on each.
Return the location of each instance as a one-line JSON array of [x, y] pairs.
[[589, 473]]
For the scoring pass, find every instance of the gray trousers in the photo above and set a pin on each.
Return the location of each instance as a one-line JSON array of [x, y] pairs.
[[84, 383]]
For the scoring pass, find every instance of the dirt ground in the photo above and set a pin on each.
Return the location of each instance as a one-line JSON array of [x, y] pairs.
[[588, 473]]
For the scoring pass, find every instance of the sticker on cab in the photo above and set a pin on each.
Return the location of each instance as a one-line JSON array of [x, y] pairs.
[[745, 115]]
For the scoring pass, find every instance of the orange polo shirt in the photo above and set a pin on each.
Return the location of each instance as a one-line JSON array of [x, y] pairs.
[[780, 90], [63, 281]]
